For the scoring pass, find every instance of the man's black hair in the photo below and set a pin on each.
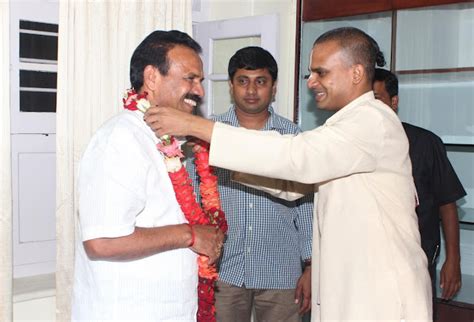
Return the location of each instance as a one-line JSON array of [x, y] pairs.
[[153, 50], [252, 58], [359, 47], [389, 79]]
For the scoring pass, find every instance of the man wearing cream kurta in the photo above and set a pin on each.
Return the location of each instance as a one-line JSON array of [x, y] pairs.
[[369, 265]]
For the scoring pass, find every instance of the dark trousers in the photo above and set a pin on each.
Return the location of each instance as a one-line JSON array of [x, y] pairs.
[[432, 270]]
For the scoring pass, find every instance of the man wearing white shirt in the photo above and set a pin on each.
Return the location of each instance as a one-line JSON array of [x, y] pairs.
[[136, 255]]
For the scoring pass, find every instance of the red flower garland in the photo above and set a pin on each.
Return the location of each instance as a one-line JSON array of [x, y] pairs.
[[182, 185]]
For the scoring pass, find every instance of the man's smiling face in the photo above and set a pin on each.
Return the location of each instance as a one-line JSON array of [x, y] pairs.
[[331, 76], [181, 87]]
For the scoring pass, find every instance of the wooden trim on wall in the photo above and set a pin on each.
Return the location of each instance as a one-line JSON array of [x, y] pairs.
[[407, 4], [393, 40], [436, 71], [324, 9], [296, 95]]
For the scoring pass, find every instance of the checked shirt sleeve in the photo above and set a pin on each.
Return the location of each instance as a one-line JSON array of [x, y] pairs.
[[304, 224]]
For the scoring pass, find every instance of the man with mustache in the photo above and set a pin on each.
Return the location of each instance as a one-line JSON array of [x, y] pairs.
[[136, 256], [265, 232], [368, 264]]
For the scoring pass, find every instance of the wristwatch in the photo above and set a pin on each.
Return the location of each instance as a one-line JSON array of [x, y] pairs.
[[306, 263]]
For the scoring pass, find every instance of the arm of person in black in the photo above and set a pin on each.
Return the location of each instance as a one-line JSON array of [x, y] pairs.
[[448, 189], [450, 275]]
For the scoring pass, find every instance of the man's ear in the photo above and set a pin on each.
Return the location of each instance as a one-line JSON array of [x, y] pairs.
[[358, 73], [231, 91], [274, 89], [394, 103], [151, 78], [231, 87]]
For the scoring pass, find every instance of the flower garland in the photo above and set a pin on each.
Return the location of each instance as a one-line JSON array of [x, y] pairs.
[[182, 185]]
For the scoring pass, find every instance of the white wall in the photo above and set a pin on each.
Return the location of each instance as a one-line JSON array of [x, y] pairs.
[[227, 9], [35, 310], [34, 298]]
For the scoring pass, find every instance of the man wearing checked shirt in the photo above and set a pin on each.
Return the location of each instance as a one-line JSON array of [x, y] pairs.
[[267, 253]]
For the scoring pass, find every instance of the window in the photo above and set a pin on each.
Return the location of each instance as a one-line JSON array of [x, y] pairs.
[[34, 56], [38, 44]]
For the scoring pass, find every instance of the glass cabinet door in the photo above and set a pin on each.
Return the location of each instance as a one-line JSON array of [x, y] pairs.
[[435, 64]]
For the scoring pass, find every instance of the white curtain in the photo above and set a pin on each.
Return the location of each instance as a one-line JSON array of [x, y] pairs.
[[96, 42], [5, 169]]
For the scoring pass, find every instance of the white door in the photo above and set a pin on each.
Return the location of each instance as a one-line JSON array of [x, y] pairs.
[[220, 40], [33, 56], [34, 203]]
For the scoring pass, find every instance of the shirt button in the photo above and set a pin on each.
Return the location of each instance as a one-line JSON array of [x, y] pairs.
[[250, 205], [250, 228], [248, 249]]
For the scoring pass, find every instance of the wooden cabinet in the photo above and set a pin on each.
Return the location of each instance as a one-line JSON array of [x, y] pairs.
[[322, 9], [434, 60], [435, 65], [454, 312]]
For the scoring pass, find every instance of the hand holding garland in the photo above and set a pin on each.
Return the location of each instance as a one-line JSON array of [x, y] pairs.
[[170, 121], [207, 241]]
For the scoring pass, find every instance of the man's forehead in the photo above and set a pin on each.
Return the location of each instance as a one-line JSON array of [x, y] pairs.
[[183, 53], [315, 60], [260, 72], [324, 51], [189, 62]]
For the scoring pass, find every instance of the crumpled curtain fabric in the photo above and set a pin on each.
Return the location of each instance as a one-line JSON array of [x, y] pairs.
[[5, 168], [96, 42]]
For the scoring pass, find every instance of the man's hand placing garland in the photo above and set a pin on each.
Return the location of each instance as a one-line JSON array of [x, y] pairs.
[[171, 121]]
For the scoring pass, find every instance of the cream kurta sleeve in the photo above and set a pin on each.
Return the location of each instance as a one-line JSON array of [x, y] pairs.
[[342, 146]]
